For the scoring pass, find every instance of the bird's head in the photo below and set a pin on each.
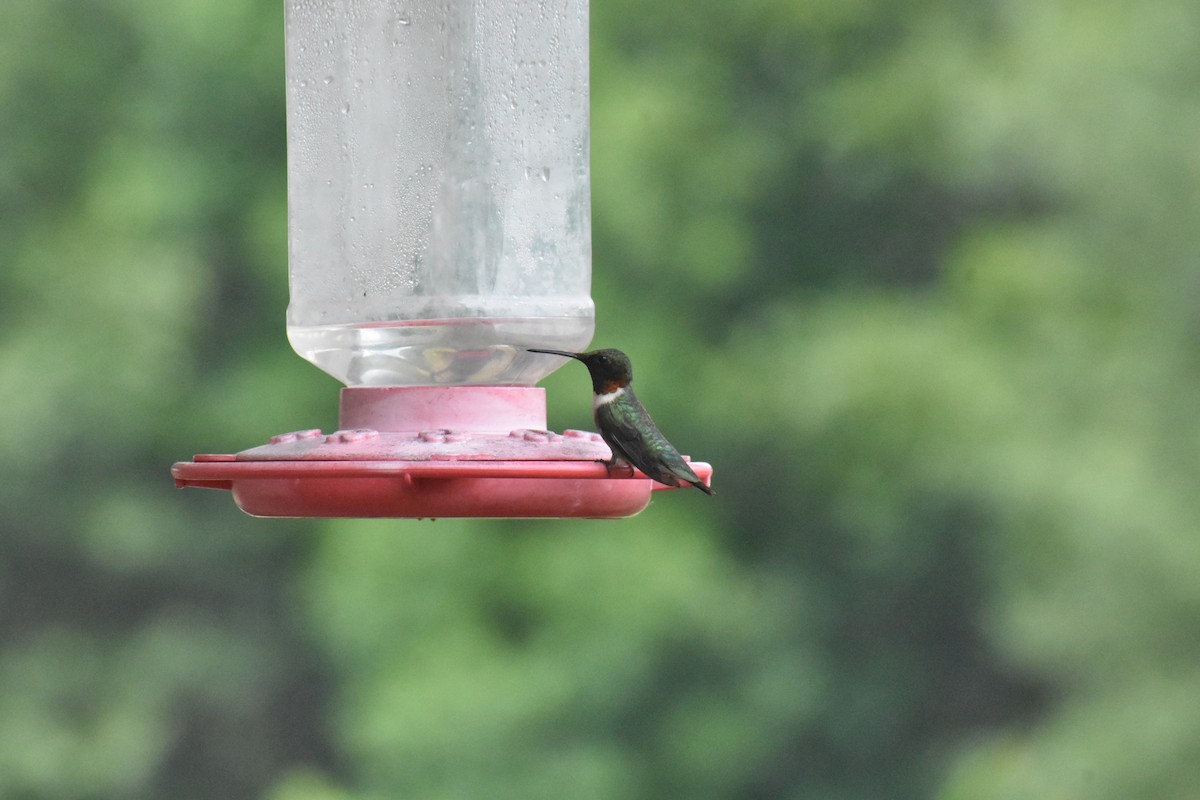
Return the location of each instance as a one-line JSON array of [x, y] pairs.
[[610, 368]]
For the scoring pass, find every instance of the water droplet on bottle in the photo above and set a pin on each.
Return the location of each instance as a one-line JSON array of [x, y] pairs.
[[328, 79], [404, 19]]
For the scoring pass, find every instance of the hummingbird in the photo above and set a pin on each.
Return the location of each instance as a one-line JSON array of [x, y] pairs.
[[624, 423]]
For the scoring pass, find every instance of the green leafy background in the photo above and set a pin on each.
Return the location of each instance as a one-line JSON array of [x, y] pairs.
[[919, 279]]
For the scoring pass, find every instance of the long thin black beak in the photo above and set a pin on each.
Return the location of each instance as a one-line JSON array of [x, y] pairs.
[[555, 353]]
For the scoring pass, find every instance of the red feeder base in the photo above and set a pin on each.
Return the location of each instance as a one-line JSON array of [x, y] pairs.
[[413, 452]]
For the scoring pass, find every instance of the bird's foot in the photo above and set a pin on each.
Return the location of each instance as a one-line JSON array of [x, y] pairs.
[[619, 467]]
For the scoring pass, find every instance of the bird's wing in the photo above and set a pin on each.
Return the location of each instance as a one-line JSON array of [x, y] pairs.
[[617, 426], [644, 447]]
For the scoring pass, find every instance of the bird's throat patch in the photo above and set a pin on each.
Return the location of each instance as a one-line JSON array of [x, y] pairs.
[[612, 392]]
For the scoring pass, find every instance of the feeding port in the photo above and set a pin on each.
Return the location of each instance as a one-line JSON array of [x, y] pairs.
[[439, 223]]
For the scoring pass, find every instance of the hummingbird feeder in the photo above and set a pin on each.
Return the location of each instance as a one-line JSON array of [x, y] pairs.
[[439, 224]]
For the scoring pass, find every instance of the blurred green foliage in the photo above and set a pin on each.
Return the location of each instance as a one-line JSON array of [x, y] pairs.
[[918, 279]]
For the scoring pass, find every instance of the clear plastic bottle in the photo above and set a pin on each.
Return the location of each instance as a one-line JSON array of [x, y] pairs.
[[438, 188]]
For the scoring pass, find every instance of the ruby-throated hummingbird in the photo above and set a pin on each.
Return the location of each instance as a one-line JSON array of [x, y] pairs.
[[625, 424]]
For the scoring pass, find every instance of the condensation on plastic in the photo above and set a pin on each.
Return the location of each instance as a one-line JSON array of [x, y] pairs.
[[438, 188]]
